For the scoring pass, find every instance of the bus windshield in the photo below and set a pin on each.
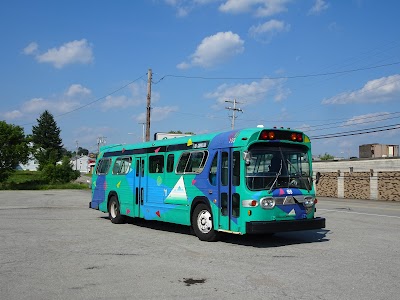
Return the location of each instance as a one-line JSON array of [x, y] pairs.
[[269, 168]]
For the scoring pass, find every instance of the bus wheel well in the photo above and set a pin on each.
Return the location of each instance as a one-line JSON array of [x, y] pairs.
[[110, 194], [202, 220], [196, 201], [114, 209]]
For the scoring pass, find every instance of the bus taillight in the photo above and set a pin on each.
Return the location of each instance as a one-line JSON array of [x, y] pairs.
[[296, 137], [267, 135]]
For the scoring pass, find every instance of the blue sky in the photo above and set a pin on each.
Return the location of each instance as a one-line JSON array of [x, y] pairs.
[[325, 67]]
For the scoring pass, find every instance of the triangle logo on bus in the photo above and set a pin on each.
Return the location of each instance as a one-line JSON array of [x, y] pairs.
[[178, 192]]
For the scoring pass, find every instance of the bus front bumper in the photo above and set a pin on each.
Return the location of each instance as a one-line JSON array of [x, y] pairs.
[[260, 227]]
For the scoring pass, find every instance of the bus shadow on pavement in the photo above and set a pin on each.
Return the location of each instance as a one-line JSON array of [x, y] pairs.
[[256, 240], [278, 239]]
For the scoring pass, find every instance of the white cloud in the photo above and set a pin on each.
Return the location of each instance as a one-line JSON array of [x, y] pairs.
[[77, 90], [69, 53], [35, 105], [118, 102], [250, 93], [31, 48], [215, 49], [375, 91], [157, 113], [12, 115], [318, 7], [184, 7], [58, 104], [137, 95], [260, 8], [38, 105], [265, 32]]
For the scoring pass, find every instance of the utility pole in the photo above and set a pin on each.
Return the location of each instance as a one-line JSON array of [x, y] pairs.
[[233, 109], [76, 156], [148, 107], [100, 140], [143, 134]]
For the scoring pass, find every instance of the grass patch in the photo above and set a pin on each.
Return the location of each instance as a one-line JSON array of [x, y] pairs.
[[32, 180]]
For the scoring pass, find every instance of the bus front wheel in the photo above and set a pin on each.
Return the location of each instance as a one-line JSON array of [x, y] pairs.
[[114, 211], [202, 223]]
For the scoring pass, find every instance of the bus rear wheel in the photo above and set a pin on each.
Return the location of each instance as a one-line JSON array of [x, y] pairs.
[[114, 211], [202, 223]]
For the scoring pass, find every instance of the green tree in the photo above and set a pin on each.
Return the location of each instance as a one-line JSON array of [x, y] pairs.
[[180, 132], [13, 148], [326, 156], [65, 152], [83, 151], [47, 141], [60, 173]]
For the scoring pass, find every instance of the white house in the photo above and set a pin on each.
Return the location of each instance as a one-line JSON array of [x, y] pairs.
[[31, 165], [81, 163]]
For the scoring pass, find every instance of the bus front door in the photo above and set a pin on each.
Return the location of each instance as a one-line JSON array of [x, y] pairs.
[[139, 185], [229, 169]]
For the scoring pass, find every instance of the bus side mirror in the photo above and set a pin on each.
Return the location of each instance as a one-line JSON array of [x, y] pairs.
[[317, 177], [247, 157]]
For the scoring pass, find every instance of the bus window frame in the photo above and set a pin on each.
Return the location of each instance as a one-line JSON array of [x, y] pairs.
[[100, 165], [154, 159], [190, 154], [122, 158], [170, 162]]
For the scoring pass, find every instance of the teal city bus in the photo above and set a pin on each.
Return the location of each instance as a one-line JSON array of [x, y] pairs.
[[247, 181]]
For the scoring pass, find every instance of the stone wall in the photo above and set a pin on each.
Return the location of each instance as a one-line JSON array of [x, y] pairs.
[[357, 185], [389, 186], [327, 185], [360, 185], [375, 179]]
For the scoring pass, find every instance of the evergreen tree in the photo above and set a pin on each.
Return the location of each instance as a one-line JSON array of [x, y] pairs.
[[47, 141], [13, 148]]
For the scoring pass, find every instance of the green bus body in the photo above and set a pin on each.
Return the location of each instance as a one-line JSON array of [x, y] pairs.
[[214, 182]]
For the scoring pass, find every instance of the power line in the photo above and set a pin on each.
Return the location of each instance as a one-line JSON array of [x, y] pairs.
[[92, 102], [357, 132], [278, 77]]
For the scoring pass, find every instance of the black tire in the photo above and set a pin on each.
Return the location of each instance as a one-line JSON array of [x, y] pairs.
[[202, 223], [114, 211]]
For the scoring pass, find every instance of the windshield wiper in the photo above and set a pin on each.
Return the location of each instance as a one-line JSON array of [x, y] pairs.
[[276, 178], [299, 175]]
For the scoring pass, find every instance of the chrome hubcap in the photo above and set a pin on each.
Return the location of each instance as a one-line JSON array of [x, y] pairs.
[[204, 222]]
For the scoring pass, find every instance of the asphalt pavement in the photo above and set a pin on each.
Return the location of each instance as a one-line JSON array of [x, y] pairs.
[[54, 247]]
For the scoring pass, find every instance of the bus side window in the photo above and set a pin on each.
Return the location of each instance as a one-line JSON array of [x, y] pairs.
[[192, 162], [170, 163], [182, 162], [236, 168], [156, 164], [103, 166], [121, 165], [212, 176], [224, 169]]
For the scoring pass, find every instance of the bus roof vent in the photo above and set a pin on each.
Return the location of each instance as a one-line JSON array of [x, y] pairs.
[[260, 126]]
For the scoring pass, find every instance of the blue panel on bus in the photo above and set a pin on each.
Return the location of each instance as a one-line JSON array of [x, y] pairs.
[[99, 194]]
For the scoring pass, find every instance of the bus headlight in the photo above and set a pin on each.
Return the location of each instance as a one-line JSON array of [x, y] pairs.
[[308, 202], [267, 202]]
